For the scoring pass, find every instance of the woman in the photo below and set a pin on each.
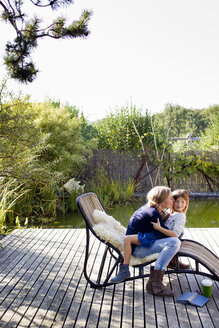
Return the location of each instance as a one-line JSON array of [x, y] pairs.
[[159, 199]]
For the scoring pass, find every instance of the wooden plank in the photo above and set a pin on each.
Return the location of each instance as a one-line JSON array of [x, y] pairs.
[[56, 277], [150, 310], [117, 306], [101, 304], [102, 301], [11, 252], [127, 313], [160, 311], [74, 284], [203, 236], [95, 308], [44, 281], [213, 235], [81, 286], [68, 273], [181, 311], [7, 244], [82, 300], [138, 303], [171, 314]]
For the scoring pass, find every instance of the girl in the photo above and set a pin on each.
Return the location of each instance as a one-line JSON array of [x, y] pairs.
[[158, 198]]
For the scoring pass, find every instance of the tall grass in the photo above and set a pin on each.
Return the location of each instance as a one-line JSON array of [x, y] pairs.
[[10, 193], [40, 201], [111, 191]]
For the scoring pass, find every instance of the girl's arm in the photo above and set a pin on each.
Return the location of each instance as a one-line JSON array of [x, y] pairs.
[[177, 223], [169, 233]]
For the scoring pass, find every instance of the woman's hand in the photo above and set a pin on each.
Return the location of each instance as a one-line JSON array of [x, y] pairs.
[[156, 225]]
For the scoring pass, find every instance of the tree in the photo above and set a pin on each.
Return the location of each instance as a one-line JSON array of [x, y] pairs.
[[30, 29], [177, 119], [65, 150], [88, 132], [19, 138], [210, 138], [118, 130]]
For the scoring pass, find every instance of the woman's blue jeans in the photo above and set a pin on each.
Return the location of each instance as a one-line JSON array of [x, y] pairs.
[[167, 247]]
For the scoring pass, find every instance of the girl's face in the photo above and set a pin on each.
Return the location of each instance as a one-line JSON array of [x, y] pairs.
[[179, 204]]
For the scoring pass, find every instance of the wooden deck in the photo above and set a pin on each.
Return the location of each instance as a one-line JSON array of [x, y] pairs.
[[42, 285]]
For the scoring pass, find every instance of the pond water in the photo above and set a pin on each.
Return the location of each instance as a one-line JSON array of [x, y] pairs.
[[201, 214]]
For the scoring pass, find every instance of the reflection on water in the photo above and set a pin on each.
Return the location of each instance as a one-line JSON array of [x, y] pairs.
[[201, 214]]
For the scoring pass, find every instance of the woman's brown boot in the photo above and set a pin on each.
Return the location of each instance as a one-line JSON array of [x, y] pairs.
[[155, 285], [173, 264], [149, 287]]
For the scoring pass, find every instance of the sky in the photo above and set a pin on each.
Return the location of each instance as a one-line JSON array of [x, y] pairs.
[[145, 52]]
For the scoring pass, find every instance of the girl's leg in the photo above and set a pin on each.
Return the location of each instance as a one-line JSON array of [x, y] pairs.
[[124, 272], [128, 241]]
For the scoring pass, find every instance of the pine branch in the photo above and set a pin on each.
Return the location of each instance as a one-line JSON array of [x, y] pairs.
[[18, 53], [54, 4]]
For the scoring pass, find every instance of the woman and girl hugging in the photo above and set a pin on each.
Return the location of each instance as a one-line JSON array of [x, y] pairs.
[[156, 228]]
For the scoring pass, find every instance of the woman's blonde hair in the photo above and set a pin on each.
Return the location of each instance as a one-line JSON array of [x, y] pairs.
[[184, 194], [157, 196]]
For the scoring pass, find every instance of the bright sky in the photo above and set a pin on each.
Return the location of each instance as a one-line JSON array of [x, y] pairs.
[[150, 52]]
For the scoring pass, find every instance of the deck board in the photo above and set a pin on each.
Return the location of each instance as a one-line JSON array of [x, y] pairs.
[[42, 285]]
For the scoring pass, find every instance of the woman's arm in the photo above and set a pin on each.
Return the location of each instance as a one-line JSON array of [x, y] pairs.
[[169, 233]]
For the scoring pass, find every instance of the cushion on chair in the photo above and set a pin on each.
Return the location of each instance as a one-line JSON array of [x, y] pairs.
[[110, 230]]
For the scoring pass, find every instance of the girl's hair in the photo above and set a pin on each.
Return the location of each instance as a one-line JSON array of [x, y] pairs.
[[157, 196], [184, 194]]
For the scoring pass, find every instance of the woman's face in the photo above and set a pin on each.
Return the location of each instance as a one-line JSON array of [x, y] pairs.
[[169, 202]]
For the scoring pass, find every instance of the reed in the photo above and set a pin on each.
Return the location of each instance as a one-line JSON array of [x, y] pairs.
[[40, 201], [110, 190], [10, 193]]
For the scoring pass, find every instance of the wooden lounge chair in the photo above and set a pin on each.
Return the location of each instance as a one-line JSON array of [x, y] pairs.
[[104, 248]]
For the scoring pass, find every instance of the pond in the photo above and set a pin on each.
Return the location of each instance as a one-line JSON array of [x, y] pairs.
[[201, 214]]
